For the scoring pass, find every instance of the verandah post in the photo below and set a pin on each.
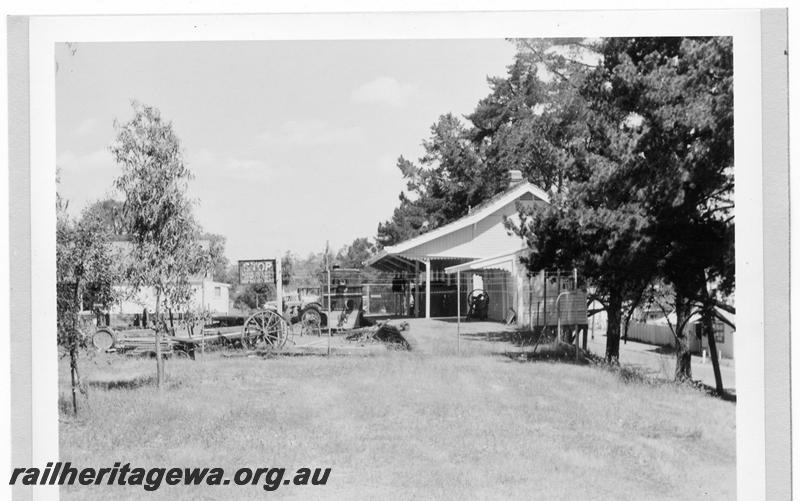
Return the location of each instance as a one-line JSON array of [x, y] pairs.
[[427, 288], [458, 312]]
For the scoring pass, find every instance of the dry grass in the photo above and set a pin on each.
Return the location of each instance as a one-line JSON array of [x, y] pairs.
[[403, 426]]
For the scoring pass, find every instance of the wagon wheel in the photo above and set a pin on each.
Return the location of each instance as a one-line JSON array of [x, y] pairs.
[[310, 322], [104, 339], [264, 329]]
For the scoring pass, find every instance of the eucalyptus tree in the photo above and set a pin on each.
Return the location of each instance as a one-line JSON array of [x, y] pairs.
[[166, 250], [85, 266]]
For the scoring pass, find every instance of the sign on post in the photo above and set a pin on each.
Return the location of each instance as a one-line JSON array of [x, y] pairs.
[[257, 271], [263, 271]]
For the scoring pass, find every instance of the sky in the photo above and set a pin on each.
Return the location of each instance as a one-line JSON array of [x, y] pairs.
[[291, 143]]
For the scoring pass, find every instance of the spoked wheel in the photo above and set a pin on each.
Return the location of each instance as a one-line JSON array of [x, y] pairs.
[[265, 329], [310, 322]]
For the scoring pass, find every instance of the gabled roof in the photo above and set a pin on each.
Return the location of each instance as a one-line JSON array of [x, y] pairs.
[[479, 212]]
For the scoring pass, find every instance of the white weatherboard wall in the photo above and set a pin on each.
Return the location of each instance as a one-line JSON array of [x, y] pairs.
[[207, 295], [662, 335]]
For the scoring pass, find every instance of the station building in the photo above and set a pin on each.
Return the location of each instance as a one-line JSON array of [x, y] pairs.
[[478, 251]]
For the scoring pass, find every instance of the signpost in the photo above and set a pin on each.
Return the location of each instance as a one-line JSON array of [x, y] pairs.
[[263, 271], [257, 271]]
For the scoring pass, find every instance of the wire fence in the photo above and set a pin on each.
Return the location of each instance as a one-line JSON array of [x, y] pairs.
[[533, 301]]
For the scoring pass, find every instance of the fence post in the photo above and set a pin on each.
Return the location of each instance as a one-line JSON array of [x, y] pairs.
[[458, 312], [544, 301], [330, 313], [530, 302]]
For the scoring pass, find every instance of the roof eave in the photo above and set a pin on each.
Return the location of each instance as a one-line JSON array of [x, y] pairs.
[[470, 218]]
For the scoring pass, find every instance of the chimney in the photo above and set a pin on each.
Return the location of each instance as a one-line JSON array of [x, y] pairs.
[[514, 177]]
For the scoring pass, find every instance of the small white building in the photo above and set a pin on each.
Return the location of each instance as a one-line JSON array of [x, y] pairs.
[[207, 295], [657, 331], [480, 252]]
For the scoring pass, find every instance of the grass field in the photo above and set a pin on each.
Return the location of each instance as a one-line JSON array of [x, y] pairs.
[[403, 425]]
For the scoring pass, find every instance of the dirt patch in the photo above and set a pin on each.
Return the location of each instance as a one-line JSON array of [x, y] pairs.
[[396, 337]]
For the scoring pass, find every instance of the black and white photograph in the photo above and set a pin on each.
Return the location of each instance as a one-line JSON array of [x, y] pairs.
[[456, 266]]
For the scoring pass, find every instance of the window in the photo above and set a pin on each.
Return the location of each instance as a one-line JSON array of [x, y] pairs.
[[719, 332], [217, 291]]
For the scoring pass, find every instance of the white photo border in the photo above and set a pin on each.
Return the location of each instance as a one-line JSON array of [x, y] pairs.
[[743, 25]]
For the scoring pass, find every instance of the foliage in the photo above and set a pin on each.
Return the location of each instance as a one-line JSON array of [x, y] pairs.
[[287, 267], [631, 137], [85, 272], [541, 116], [681, 156], [450, 178], [253, 296], [166, 250], [230, 276], [218, 263], [532, 121], [85, 269], [648, 193], [109, 213], [304, 272], [354, 254], [409, 219]]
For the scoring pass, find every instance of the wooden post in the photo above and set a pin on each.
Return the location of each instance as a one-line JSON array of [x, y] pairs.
[[544, 301], [558, 281], [73, 346], [530, 302], [157, 337], [329, 309], [558, 317], [416, 289], [279, 285], [458, 312], [427, 288]]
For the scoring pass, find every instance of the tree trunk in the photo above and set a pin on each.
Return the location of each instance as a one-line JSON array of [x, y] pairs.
[[708, 327], [683, 354], [614, 312], [73, 347], [159, 359]]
